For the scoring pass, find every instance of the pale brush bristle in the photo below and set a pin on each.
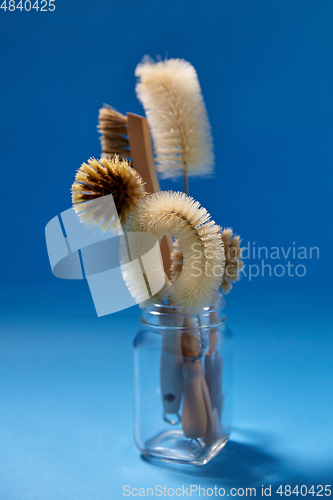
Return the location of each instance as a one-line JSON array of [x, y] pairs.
[[100, 178], [170, 93], [113, 127], [198, 237]]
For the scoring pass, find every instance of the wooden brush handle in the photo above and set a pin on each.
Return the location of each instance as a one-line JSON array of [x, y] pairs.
[[213, 429], [143, 163], [214, 367], [199, 418], [213, 370], [213, 332], [213, 384], [194, 416], [198, 407], [190, 343]]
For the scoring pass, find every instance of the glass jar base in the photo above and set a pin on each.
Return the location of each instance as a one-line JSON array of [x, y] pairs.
[[173, 446]]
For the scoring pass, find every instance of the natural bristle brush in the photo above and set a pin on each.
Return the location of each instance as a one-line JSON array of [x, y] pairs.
[[171, 96], [213, 361], [107, 176], [189, 223], [129, 137], [170, 93]]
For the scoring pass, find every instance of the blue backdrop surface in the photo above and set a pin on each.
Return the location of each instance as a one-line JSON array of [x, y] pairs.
[[266, 73]]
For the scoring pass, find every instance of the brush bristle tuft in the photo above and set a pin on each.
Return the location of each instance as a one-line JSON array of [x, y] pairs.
[[99, 178], [171, 96], [233, 264], [113, 127]]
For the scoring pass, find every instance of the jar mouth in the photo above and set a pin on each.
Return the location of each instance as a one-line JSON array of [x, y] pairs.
[[166, 317], [183, 328]]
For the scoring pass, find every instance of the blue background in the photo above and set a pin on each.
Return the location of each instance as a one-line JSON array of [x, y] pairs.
[[266, 73]]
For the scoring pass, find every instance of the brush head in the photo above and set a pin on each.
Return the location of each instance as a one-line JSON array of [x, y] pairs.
[[171, 96], [233, 264], [113, 127], [199, 240], [99, 178]]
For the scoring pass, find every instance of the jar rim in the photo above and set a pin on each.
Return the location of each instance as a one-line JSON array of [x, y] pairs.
[[209, 317], [184, 328]]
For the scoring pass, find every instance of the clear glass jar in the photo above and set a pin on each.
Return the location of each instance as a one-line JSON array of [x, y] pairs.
[[182, 384]]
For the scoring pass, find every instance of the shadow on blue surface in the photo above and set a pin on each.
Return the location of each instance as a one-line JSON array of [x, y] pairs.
[[241, 465]]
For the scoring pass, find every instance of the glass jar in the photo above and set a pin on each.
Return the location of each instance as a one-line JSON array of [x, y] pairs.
[[182, 384]]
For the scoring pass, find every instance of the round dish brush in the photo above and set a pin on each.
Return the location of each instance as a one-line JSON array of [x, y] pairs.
[[99, 178]]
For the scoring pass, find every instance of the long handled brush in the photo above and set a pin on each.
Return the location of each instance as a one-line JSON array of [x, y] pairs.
[[190, 224], [171, 96]]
